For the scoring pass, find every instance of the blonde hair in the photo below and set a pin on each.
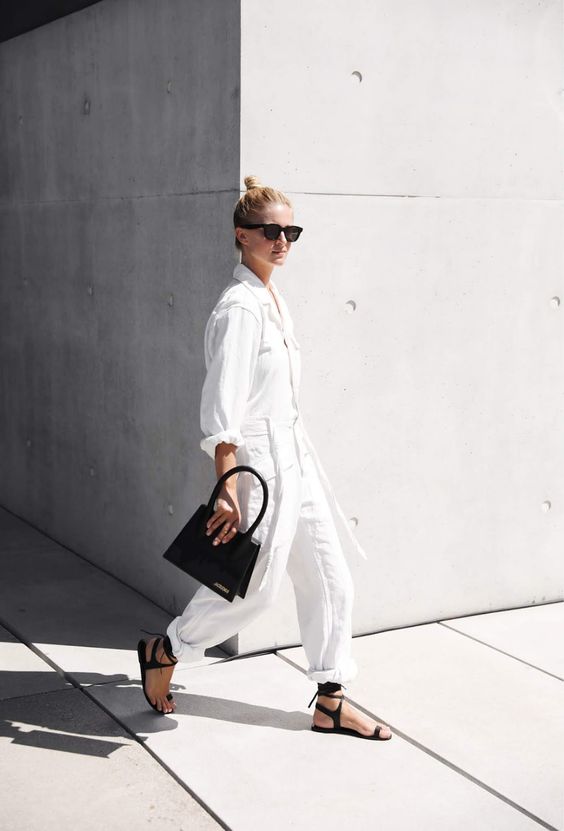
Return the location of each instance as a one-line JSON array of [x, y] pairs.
[[253, 202]]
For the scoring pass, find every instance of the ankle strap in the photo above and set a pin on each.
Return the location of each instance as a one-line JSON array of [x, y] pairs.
[[166, 644], [167, 647], [328, 695]]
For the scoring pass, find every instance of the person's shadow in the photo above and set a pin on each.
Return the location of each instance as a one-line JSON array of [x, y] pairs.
[[65, 721], [211, 707]]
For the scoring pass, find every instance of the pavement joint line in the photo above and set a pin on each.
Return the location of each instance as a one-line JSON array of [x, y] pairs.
[[169, 770], [131, 733], [440, 758], [31, 646], [502, 651]]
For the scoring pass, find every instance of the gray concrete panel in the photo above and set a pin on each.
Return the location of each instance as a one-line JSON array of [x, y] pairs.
[[122, 100], [405, 99], [120, 132], [432, 387], [103, 367]]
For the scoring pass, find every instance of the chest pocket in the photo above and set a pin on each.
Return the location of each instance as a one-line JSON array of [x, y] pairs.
[[272, 338]]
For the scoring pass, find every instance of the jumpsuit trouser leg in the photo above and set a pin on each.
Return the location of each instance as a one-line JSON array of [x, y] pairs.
[[302, 539]]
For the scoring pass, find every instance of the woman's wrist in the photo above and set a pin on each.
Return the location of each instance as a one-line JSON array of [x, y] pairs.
[[226, 459], [229, 487]]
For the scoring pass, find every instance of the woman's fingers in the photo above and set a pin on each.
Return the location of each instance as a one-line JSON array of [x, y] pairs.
[[225, 519], [226, 533], [230, 533]]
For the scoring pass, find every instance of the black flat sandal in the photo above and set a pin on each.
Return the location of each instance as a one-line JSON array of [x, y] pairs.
[[153, 663], [336, 716]]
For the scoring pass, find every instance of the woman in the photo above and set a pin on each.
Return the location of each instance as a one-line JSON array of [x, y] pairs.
[[249, 415]]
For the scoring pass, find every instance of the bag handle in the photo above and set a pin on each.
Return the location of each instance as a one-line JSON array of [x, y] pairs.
[[217, 488]]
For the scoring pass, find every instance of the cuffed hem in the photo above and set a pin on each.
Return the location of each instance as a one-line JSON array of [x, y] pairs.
[[184, 652], [340, 675], [209, 443]]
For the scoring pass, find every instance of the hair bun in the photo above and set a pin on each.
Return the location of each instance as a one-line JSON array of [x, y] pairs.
[[252, 182]]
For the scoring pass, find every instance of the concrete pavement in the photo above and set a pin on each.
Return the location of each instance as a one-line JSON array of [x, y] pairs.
[[476, 706]]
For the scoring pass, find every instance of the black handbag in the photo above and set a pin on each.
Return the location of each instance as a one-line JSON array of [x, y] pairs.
[[225, 568]]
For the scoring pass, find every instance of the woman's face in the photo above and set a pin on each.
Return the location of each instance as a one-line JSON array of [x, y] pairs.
[[256, 247]]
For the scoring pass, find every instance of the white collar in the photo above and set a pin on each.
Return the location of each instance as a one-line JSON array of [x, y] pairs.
[[248, 277]]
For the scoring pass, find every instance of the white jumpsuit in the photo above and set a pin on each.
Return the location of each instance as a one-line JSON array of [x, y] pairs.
[[250, 399]]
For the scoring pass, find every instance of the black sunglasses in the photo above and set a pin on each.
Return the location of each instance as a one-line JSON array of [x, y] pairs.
[[272, 230]]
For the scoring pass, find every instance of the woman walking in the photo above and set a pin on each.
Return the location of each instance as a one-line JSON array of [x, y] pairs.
[[250, 415]]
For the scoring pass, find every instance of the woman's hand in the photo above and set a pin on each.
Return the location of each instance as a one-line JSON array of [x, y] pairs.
[[227, 514]]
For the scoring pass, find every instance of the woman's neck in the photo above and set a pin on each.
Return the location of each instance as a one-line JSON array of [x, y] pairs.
[[261, 269]]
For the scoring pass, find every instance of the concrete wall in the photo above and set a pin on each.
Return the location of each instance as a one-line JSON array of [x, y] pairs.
[[120, 130], [433, 251], [430, 186]]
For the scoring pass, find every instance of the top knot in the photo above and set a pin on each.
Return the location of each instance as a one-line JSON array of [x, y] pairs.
[[252, 182]]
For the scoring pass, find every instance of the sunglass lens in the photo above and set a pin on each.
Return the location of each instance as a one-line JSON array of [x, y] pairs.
[[272, 232], [291, 232]]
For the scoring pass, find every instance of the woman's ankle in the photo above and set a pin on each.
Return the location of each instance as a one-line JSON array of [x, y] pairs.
[[328, 688]]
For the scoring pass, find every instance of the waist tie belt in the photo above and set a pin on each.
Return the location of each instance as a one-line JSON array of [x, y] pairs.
[[274, 428]]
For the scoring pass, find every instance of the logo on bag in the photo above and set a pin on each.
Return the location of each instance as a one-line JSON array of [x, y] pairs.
[[222, 588]]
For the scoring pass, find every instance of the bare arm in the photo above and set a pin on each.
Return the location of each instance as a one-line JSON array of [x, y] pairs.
[[227, 513]]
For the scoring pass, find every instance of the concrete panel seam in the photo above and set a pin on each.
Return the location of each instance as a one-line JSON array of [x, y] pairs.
[[158, 759], [445, 197], [102, 198]]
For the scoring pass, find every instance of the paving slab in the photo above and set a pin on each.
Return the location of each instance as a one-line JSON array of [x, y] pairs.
[[65, 764], [533, 634], [22, 672], [241, 738], [496, 718]]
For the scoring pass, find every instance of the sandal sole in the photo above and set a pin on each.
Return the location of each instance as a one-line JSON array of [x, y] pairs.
[[348, 731]]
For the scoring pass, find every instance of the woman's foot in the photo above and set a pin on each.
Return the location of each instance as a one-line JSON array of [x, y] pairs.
[[350, 717], [157, 681]]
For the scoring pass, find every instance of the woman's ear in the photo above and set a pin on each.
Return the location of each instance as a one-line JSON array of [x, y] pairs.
[[242, 236]]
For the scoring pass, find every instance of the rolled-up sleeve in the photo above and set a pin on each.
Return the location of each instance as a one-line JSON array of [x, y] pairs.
[[232, 341]]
